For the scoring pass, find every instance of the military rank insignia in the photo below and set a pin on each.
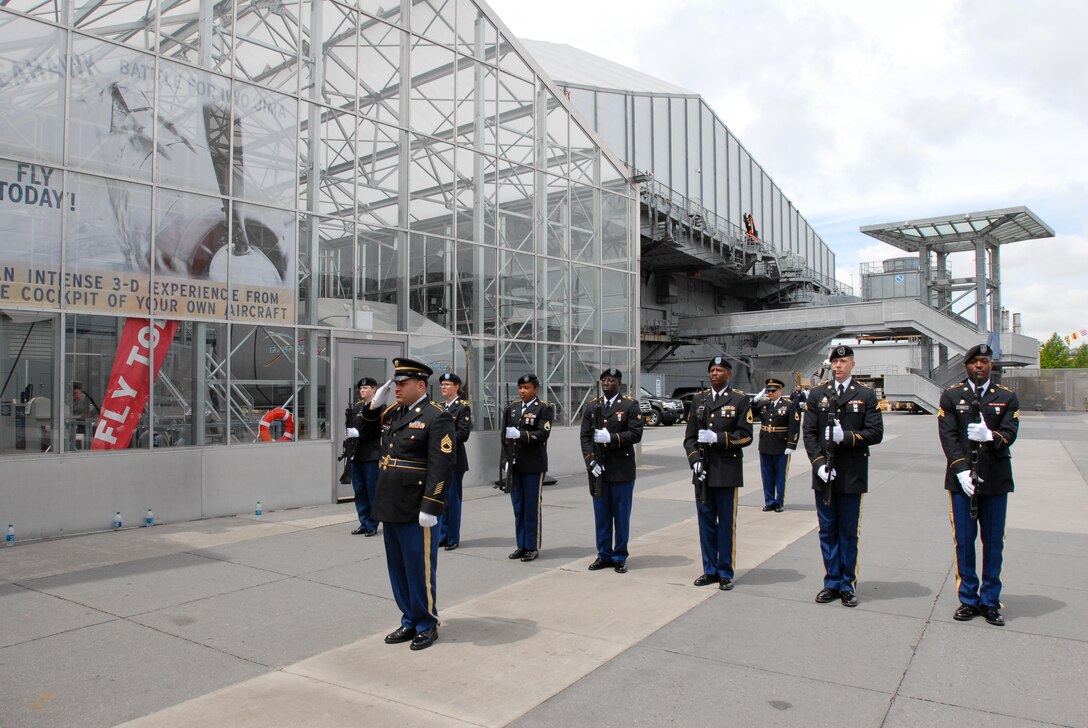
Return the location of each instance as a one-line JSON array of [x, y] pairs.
[[547, 425], [447, 444], [749, 420]]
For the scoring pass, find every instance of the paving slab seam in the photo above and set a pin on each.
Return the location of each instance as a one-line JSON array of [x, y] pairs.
[[994, 713]]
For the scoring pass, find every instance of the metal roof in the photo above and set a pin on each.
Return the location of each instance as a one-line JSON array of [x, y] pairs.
[[568, 64], [958, 233]]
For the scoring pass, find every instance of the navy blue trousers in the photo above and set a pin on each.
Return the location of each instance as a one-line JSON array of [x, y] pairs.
[[449, 523], [991, 526], [525, 498], [773, 469], [364, 481], [718, 531], [411, 553], [612, 513], [840, 526]]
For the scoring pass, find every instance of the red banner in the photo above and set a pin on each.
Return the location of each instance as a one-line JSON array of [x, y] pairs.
[[130, 384]]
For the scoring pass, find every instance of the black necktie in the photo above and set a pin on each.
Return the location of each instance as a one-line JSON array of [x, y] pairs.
[[841, 389]]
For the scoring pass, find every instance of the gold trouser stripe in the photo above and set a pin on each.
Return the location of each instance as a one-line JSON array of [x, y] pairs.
[[539, 509], [427, 571], [786, 478], [733, 551], [955, 543], [857, 559]]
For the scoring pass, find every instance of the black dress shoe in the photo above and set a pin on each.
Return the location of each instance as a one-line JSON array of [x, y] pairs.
[[993, 616], [725, 584], [779, 509], [768, 508], [517, 554], [360, 531], [600, 564], [620, 567], [827, 595], [451, 546], [966, 612], [425, 639], [442, 543], [529, 555], [848, 599], [706, 579], [368, 534], [400, 634]]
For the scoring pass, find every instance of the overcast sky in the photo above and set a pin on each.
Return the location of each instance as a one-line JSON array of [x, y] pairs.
[[869, 112]]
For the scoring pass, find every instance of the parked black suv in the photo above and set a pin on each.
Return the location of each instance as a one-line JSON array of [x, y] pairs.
[[685, 394], [660, 410]]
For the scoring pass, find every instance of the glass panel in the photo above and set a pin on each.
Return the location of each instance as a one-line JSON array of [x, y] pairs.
[[379, 279], [265, 140], [470, 115], [124, 22], [332, 133], [378, 173], [477, 210], [262, 371], [511, 62], [585, 368], [194, 111], [31, 234], [643, 121], [584, 102], [585, 304], [514, 131], [32, 104], [183, 35], [615, 225], [477, 292], [51, 11], [379, 70], [191, 244], [266, 47], [583, 156], [585, 244], [616, 308], [108, 254], [554, 380], [26, 362], [557, 219], [431, 97], [262, 263], [434, 19], [476, 35], [430, 285], [516, 228], [517, 295], [329, 73], [387, 10], [329, 280], [555, 299], [436, 350], [480, 375], [515, 359], [312, 394], [430, 193], [558, 136], [111, 112]]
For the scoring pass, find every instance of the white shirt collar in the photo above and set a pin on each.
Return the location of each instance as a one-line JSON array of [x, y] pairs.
[[984, 387], [413, 405], [525, 405], [845, 384]]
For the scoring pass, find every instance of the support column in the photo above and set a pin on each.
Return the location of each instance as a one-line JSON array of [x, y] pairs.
[[994, 286], [980, 287], [943, 294]]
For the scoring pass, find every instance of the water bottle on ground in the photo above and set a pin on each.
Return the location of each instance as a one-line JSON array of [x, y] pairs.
[[149, 519], [117, 519], [9, 540], [260, 511]]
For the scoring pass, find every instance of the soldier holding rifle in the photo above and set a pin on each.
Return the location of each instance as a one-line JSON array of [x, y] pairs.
[[527, 425], [720, 425], [977, 423], [611, 427], [842, 420]]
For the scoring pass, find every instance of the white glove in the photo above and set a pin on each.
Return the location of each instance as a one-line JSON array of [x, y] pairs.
[[385, 396], [350, 433], [697, 467], [602, 436], [789, 451], [965, 483], [427, 520], [761, 396], [824, 475], [708, 437], [512, 433], [979, 432], [835, 434], [596, 469]]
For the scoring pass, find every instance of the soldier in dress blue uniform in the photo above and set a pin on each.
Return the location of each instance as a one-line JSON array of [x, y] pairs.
[[449, 523], [364, 458], [413, 475], [981, 419], [528, 424], [858, 426], [780, 426], [719, 427], [612, 426]]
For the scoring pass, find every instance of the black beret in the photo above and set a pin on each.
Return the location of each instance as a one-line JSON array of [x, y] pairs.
[[405, 369], [528, 379], [719, 361], [976, 351], [366, 382], [772, 382], [840, 352], [450, 377], [613, 372]]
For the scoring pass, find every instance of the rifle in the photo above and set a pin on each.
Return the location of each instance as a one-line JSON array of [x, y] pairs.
[[509, 454], [829, 445], [350, 443], [699, 479], [976, 416], [596, 482]]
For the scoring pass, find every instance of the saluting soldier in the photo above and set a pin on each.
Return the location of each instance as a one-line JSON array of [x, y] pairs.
[[719, 428], [858, 425], [611, 427], [413, 475], [780, 426], [978, 422], [529, 422], [364, 458], [449, 523]]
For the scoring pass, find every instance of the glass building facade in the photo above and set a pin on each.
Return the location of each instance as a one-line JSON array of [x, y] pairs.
[[266, 176]]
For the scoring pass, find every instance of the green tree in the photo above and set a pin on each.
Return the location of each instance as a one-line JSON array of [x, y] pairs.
[[1080, 357], [1054, 354]]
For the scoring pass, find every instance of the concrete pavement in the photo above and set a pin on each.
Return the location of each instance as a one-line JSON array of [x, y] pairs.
[[279, 621]]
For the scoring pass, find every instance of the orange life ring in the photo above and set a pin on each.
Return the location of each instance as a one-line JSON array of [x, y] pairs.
[[282, 415]]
